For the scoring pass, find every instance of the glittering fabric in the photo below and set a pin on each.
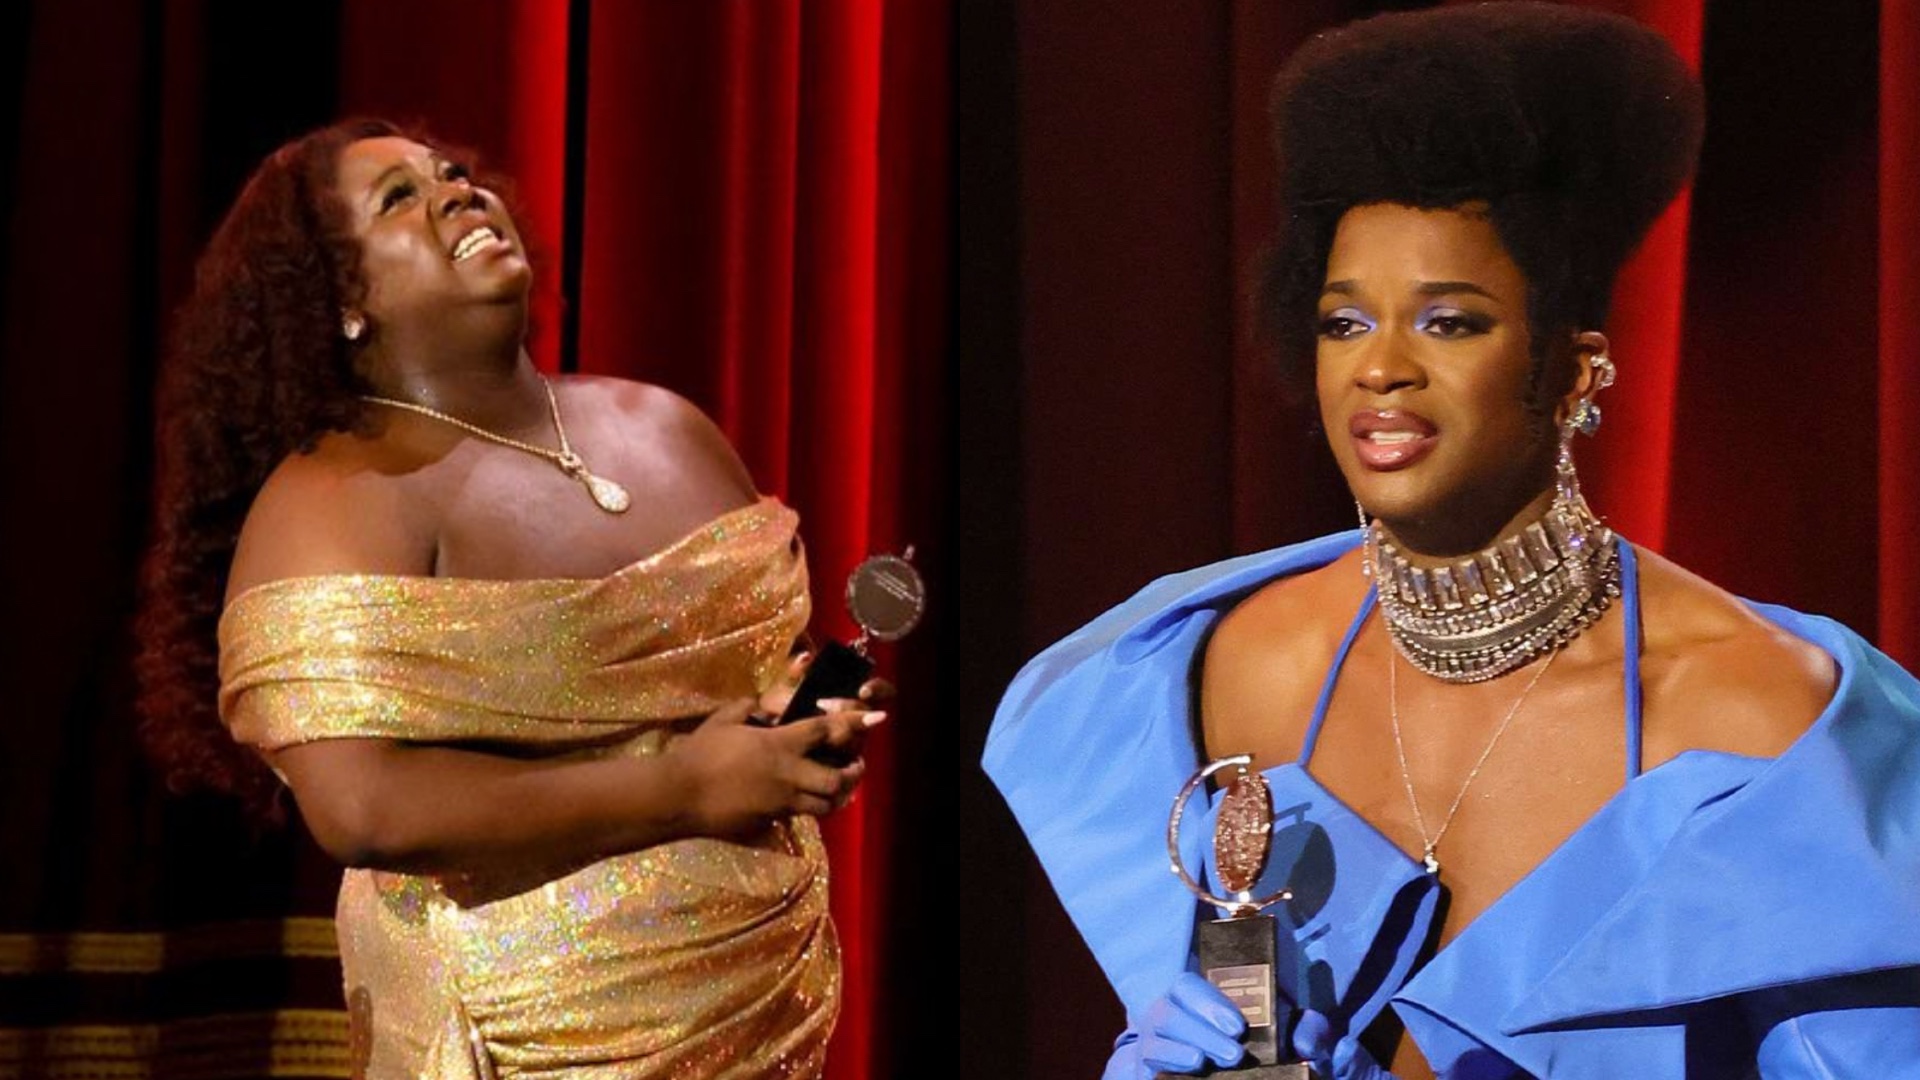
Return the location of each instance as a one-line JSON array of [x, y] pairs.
[[701, 958]]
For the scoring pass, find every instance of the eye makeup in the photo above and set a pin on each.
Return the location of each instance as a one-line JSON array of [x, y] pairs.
[[1453, 322], [1342, 323]]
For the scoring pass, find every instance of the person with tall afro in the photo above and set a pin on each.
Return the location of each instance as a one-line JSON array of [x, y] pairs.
[[1568, 809]]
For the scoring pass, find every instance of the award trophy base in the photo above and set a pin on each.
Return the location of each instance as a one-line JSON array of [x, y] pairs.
[[837, 671], [1240, 957]]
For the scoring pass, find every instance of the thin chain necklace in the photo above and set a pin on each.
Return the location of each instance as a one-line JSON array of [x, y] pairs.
[[606, 494], [1430, 845]]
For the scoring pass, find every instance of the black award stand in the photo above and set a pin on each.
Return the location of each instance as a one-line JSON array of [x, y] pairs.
[[837, 671], [1240, 958]]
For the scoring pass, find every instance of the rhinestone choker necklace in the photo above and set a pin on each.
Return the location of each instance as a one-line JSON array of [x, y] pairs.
[[1479, 617]]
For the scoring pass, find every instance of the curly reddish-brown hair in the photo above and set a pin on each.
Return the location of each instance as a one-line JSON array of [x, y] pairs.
[[258, 370]]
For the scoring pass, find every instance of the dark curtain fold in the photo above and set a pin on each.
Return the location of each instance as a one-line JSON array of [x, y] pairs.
[[1899, 326], [1760, 433], [744, 201]]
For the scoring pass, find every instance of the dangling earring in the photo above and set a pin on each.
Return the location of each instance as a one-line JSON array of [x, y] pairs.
[[1569, 505], [1585, 419], [1366, 540], [353, 325], [1586, 412], [1566, 480]]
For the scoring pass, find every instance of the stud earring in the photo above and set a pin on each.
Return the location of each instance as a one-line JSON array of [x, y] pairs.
[[353, 325]]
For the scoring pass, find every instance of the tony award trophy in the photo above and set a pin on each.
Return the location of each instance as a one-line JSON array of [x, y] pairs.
[[1240, 952], [885, 596]]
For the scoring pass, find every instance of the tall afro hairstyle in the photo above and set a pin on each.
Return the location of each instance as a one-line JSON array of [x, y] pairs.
[[1573, 129]]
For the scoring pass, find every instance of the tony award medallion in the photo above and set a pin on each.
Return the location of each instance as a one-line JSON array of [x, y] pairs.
[[885, 596], [1239, 952]]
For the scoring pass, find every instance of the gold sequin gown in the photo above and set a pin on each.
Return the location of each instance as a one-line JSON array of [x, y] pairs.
[[700, 958]]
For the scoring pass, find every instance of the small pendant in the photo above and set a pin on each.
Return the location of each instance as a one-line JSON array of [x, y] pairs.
[[608, 495], [1432, 863]]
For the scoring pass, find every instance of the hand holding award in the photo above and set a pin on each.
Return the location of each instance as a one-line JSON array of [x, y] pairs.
[[1239, 953], [885, 597]]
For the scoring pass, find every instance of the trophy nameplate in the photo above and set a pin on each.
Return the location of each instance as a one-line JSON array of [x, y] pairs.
[[1239, 952]]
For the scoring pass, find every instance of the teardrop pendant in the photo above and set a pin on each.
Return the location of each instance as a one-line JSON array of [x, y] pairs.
[[608, 495]]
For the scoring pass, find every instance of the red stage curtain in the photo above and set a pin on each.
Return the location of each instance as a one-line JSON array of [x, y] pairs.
[[765, 201], [1631, 472], [749, 199]]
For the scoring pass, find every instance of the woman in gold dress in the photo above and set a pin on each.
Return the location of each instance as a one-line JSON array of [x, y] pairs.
[[502, 636]]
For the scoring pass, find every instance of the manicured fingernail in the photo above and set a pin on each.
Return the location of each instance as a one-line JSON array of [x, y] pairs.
[[1226, 1055], [873, 719]]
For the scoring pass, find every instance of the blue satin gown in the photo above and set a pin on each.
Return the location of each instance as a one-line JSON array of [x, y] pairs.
[[1720, 916]]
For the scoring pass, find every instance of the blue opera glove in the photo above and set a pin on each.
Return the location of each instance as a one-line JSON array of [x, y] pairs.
[[1336, 1059], [1191, 1024]]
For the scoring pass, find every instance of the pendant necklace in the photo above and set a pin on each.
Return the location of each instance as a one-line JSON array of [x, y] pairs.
[[606, 494], [1430, 844]]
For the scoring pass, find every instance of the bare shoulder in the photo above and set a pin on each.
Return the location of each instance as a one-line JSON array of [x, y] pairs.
[[631, 400], [1717, 674], [1267, 657], [348, 506], [675, 443]]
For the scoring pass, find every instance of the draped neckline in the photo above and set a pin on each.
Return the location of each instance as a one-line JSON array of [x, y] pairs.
[[712, 530]]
